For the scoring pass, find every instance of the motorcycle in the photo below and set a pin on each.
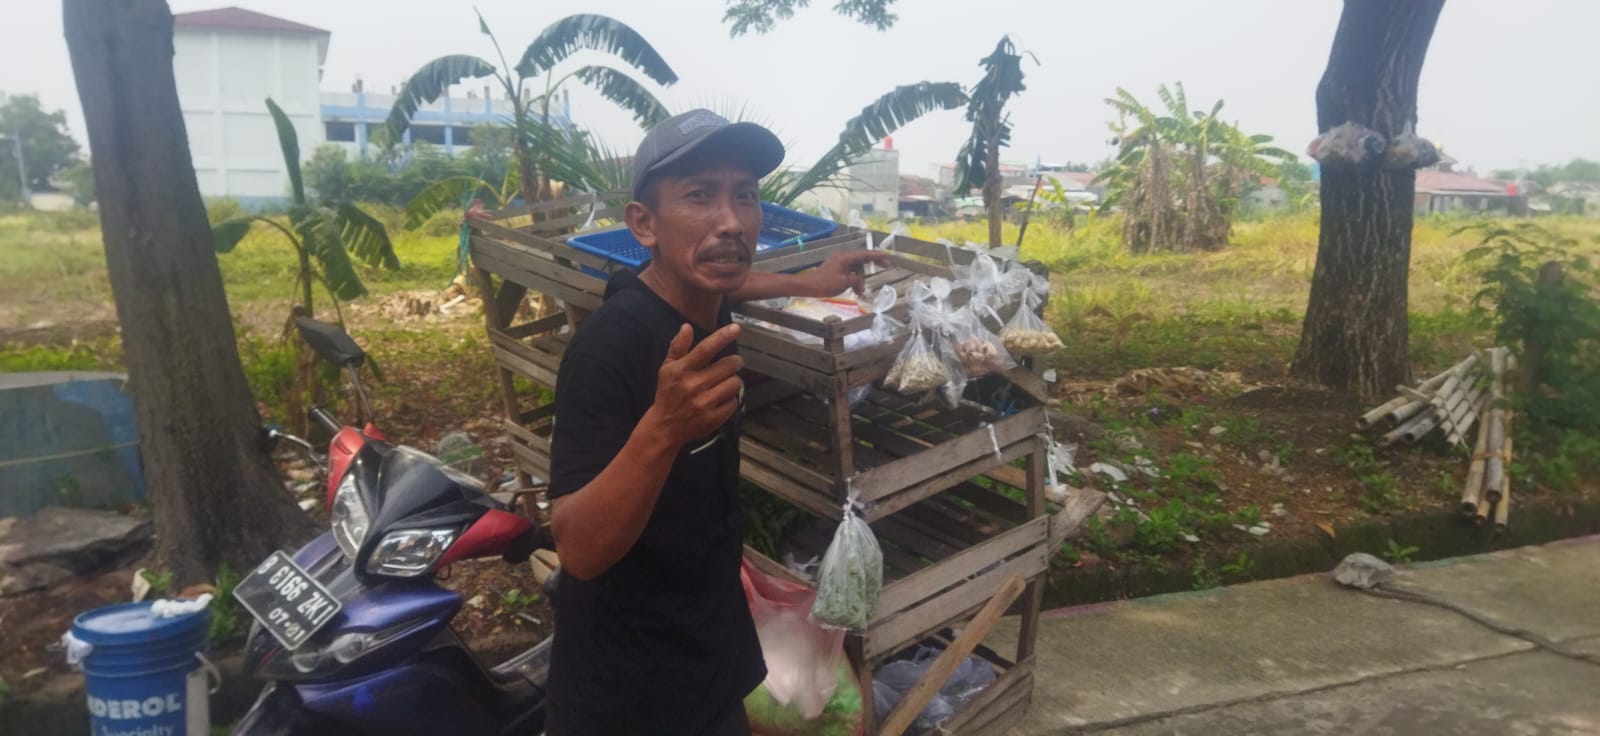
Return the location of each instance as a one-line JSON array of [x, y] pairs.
[[351, 632]]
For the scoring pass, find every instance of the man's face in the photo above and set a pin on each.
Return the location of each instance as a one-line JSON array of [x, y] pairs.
[[704, 226]]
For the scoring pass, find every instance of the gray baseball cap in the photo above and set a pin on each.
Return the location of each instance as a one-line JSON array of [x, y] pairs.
[[676, 137]]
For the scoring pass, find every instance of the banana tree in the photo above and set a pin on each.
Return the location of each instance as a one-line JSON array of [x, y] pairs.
[[1179, 175], [978, 163], [554, 45], [883, 117], [328, 238]]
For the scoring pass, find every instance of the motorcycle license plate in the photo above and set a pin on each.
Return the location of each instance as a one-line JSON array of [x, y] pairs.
[[287, 600]]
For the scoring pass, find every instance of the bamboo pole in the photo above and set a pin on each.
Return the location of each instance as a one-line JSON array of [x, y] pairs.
[[1472, 495], [1494, 465], [1370, 418], [1453, 423], [1404, 429], [1407, 411], [1415, 431], [1462, 397], [1456, 373], [1473, 415], [1502, 507]]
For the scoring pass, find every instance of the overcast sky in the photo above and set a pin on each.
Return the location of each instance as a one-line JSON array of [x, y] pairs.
[[1504, 82]]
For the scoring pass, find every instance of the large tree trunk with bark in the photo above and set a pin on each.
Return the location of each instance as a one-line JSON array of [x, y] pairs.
[[215, 492], [1355, 334]]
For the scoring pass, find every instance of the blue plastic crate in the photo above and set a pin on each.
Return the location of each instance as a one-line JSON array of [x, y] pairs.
[[780, 227]]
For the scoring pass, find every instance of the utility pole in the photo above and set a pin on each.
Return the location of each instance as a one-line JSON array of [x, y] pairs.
[[22, 166]]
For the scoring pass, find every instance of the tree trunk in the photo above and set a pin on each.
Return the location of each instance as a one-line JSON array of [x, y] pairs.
[[1355, 334], [994, 187], [215, 493]]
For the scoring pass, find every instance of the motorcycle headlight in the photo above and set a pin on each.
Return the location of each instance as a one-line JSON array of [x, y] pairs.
[[410, 552], [348, 517]]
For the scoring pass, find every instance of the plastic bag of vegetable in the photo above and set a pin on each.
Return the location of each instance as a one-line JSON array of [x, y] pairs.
[[1026, 333], [802, 657], [851, 575], [842, 716]]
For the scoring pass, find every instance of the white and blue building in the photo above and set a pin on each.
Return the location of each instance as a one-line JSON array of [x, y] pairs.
[[228, 61]]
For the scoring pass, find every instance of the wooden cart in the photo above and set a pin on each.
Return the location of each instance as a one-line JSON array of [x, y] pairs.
[[956, 519]]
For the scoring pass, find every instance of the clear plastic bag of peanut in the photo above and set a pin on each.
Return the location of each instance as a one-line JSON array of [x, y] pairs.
[[917, 369], [979, 350], [1026, 333]]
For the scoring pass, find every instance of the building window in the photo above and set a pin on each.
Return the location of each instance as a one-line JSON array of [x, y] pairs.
[[430, 133], [338, 132], [461, 135]]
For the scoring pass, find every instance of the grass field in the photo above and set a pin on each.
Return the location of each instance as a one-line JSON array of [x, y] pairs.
[[1235, 309], [52, 267], [1239, 307]]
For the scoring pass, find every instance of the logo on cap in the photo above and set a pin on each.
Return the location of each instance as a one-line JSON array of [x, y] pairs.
[[702, 119]]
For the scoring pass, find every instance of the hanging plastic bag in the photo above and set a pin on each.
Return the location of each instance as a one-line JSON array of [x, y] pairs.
[[917, 369], [943, 326], [894, 679], [1347, 145], [851, 575], [982, 279], [1026, 333], [802, 657], [841, 716], [979, 350], [884, 326]]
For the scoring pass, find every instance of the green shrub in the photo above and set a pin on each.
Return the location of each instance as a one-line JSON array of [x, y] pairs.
[[1525, 309]]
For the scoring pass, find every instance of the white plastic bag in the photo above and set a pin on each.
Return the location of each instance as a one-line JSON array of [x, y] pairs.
[[851, 575], [884, 326]]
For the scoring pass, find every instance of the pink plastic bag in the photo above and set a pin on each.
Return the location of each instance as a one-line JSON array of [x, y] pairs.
[[802, 657]]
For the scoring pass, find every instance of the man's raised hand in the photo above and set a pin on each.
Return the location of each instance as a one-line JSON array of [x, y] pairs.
[[696, 391]]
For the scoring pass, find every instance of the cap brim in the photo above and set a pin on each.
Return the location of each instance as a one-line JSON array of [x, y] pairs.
[[759, 147]]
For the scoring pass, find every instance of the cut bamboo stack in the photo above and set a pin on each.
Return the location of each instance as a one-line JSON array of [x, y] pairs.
[[1469, 393], [1488, 478], [1450, 402]]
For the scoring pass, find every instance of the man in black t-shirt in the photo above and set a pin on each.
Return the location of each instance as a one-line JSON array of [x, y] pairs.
[[653, 635]]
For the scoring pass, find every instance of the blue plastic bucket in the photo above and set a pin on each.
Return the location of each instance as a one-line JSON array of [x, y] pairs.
[[143, 675]]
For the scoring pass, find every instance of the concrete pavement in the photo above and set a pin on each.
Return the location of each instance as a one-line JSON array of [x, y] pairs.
[[1304, 655]]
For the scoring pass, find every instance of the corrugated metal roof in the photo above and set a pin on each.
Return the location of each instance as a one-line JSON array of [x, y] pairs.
[[240, 19]]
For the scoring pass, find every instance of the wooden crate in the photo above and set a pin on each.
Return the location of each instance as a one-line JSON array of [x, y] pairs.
[[944, 558], [898, 451]]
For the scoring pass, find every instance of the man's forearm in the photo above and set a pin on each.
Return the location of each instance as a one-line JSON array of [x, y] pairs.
[[762, 285], [597, 524]]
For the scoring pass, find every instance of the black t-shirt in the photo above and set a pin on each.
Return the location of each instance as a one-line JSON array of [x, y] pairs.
[[662, 642]]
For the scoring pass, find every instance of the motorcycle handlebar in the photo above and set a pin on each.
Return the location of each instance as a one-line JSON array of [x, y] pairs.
[[326, 420]]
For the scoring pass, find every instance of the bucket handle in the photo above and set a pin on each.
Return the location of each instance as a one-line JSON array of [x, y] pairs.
[[212, 673]]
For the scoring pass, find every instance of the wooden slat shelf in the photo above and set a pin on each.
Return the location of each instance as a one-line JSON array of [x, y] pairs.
[[900, 453]]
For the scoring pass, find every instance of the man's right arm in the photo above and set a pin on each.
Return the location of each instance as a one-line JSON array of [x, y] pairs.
[[597, 524]]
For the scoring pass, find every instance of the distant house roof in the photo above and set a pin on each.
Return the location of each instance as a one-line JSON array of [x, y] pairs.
[[239, 19], [916, 186], [1081, 178], [1433, 181]]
